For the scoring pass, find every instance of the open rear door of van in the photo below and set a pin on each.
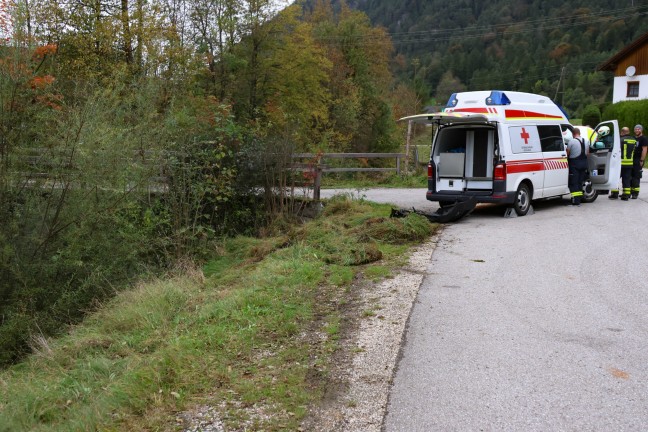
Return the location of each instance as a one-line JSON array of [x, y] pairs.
[[445, 118], [605, 158]]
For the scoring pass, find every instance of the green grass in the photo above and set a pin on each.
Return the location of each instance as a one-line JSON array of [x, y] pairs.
[[377, 272], [233, 334]]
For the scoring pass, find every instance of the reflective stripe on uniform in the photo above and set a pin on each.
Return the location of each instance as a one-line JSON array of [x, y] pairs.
[[628, 146]]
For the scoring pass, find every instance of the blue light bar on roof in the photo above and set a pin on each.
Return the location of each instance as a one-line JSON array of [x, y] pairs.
[[497, 98], [452, 102], [563, 111]]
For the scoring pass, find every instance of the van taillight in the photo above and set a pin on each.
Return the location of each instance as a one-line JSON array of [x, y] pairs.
[[430, 171], [499, 173]]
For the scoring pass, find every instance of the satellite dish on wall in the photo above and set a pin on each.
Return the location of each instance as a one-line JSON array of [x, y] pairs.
[[630, 71]]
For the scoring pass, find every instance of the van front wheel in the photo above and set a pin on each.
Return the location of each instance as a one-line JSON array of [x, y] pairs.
[[522, 202], [589, 194]]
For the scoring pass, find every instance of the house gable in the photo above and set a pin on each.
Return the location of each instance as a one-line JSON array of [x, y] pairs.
[[634, 54], [630, 68]]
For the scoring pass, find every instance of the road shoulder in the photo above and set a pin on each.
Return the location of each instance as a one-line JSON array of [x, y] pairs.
[[361, 374]]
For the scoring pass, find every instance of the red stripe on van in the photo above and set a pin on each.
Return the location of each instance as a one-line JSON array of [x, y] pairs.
[[471, 110], [529, 114], [513, 167], [556, 164], [524, 166]]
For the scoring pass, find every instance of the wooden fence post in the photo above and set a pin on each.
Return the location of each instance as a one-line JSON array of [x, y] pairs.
[[407, 146]]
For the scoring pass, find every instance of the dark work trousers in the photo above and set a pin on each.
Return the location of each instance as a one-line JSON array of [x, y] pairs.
[[626, 179], [577, 171], [636, 177]]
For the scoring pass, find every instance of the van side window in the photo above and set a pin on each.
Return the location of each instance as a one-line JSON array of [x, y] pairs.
[[551, 138], [566, 132]]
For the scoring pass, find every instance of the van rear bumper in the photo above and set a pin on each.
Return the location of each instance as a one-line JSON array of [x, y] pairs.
[[480, 197]]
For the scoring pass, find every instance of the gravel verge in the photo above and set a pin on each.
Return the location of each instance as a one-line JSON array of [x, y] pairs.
[[362, 371]]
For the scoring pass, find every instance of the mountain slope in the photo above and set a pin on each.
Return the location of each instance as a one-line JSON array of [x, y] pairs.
[[544, 46]]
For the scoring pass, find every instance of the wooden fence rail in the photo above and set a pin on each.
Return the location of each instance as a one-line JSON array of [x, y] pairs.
[[320, 167], [39, 161]]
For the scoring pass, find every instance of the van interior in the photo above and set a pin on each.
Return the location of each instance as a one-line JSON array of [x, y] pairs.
[[466, 153]]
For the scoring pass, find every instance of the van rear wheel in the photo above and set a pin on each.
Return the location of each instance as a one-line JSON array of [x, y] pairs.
[[522, 202]]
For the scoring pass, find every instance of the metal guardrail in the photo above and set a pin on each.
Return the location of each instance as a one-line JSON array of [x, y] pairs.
[[320, 168]]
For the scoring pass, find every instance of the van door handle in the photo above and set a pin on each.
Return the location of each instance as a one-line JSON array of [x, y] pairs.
[[564, 155]]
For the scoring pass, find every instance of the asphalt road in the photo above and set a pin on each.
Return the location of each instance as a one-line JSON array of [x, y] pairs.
[[535, 323]]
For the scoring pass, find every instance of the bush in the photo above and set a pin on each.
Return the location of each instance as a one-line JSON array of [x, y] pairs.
[[84, 223], [591, 115], [628, 113]]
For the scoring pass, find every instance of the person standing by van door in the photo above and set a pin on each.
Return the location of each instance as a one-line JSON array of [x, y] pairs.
[[628, 144], [639, 158], [577, 159]]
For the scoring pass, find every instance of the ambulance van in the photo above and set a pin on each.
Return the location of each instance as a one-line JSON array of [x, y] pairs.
[[510, 148]]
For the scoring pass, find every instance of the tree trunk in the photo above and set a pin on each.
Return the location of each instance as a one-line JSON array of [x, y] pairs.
[[128, 43], [140, 31]]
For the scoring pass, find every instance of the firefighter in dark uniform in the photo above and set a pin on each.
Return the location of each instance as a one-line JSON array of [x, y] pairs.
[[577, 158], [628, 144], [638, 161]]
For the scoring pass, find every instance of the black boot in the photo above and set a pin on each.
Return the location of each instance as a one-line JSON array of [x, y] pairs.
[[614, 195]]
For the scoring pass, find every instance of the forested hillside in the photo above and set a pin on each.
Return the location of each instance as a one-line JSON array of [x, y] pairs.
[[544, 46]]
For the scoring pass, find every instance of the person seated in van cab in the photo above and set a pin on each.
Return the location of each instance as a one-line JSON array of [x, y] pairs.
[[577, 149]]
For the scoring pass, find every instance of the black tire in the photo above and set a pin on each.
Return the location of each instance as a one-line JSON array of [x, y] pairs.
[[522, 202], [589, 194]]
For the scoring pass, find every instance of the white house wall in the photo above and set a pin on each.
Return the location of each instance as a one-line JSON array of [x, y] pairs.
[[621, 88]]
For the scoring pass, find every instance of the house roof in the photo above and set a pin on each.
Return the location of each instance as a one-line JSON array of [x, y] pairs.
[[610, 64]]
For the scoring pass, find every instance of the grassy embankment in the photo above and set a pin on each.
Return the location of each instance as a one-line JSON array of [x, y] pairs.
[[249, 334]]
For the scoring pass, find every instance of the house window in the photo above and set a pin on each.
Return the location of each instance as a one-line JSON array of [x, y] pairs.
[[633, 89]]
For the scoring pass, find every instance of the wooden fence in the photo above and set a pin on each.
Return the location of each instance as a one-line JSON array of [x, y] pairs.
[[318, 165], [38, 163]]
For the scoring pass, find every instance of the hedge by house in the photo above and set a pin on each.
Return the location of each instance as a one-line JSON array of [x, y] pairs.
[[628, 113]]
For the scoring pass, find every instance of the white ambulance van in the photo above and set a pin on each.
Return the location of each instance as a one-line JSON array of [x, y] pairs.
[[509, 148]]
